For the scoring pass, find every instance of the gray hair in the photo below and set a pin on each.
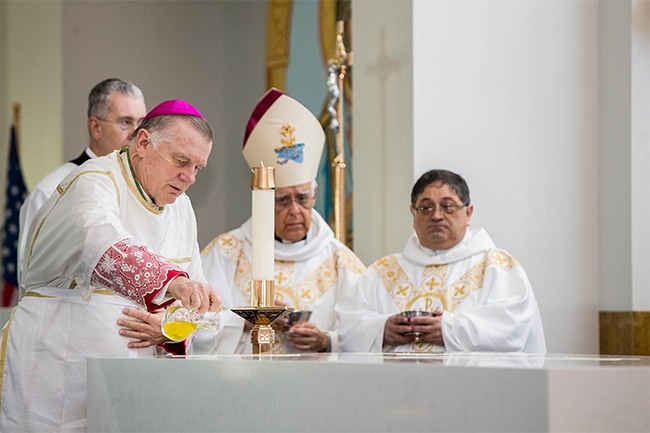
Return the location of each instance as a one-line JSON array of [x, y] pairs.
[[99, 99], [159, 124]]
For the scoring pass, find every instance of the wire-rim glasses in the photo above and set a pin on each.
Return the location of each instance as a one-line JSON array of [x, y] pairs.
[[446, 208], [302, 199], [124, 123]]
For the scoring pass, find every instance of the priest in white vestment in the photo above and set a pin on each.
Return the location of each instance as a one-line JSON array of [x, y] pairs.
[[118, 232], [115, 108], [478, 296], [311, 266]]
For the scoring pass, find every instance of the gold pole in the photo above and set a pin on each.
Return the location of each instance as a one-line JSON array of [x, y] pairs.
[[338, 164], [278, 37]]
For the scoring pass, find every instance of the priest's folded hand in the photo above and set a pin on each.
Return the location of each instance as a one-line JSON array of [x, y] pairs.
[[194, 294], [430, 328], [397, 331], [306, 336]]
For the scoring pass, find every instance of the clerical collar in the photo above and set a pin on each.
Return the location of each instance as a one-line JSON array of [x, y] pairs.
[[125, 150], [430, 252], [277, 238], [85, 156]]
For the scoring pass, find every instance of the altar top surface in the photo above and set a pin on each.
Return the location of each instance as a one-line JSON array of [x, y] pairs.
[[455, 359], [369, 392]]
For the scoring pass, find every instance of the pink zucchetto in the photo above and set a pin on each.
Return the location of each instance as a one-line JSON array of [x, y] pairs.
[[174, 107]]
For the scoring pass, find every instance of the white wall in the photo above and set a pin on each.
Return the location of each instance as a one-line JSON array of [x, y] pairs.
[[506, 94], [639, 125], [625, 155], [31, 74], [615, 154], [383, 126]]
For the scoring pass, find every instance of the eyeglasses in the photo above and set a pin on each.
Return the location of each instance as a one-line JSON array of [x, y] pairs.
[[303, 199], [124, 123], [447, 208]]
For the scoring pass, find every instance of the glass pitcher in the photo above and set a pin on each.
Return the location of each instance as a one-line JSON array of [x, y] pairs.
[[179, 322]]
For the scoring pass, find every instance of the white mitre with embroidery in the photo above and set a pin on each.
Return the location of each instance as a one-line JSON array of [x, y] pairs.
[[282, 133]]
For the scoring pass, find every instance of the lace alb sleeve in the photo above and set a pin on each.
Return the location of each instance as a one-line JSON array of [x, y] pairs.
[[134, 271]]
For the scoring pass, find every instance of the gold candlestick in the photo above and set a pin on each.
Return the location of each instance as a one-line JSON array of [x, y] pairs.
[[262, 334], [262, 312]]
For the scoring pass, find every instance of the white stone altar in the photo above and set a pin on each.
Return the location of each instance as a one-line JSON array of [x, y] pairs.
[[371, 392]]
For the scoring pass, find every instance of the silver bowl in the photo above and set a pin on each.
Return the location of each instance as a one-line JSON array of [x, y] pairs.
[[416, 313], [299, 316]]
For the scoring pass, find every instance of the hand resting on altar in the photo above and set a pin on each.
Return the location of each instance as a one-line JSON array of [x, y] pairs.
[[144, 328]]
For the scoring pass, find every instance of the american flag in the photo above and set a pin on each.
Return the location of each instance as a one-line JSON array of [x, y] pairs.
[[16, 192]]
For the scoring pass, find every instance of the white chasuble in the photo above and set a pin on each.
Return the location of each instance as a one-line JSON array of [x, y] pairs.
[[95, 247], [487, 301], [309, 275]]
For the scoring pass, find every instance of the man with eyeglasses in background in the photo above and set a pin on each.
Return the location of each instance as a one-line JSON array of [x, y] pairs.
[[475, 297], [311, 265], [115, 109]]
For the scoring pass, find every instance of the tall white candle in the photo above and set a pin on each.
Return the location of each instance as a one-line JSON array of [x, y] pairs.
[[263, 221]]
